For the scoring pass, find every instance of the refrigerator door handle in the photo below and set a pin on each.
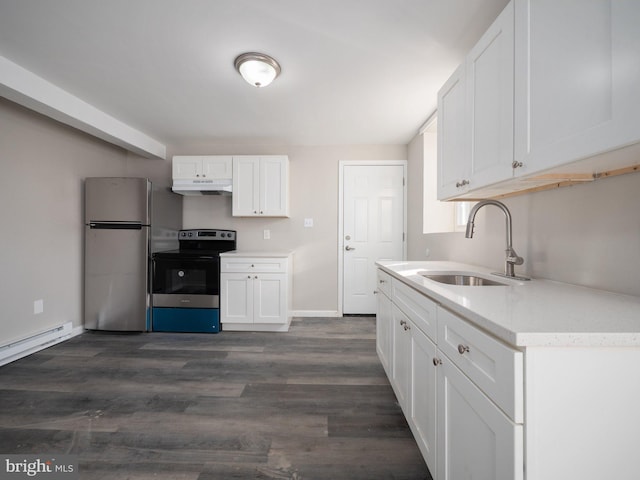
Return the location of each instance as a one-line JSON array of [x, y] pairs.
[[116, 225]]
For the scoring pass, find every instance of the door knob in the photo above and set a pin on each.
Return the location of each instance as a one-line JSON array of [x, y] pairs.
[[348, 248]]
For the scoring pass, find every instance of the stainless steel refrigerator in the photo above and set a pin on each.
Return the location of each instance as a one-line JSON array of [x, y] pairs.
[[118, 246]]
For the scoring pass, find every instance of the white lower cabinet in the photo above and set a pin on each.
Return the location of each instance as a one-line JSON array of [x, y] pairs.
[[480, 409], [255, 293], [422, 394], [384, 332], [475, 438], [401, 363], [465, 412]]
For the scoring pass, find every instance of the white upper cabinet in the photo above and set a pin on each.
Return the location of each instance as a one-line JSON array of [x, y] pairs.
[[475, 114], [549, 90], [453, 141], [577, 77], [261, 186], [201, 166], [489, 75]]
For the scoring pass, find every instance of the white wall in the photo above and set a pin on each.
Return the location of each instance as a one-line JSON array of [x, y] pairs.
[[42, 167], [313, 194], [585, 234]]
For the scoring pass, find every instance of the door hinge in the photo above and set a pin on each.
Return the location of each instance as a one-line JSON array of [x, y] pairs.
[[403, 236]]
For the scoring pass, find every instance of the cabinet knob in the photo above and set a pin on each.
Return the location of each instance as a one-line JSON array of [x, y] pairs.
[[517, 164], [383, 281], [402, 322], [407, 327], [256, 276], [261, 212], [462, 349], [436, 361], [255, 212], [462, 183], [375, 292], [248, 276]]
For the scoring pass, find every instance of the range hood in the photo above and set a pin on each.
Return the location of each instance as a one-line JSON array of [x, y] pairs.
[[217, 186]]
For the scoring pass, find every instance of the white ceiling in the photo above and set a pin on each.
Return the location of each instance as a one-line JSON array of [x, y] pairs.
[[353, 71]]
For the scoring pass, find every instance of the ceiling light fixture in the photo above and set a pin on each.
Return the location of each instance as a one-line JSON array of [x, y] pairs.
[[257, 69]]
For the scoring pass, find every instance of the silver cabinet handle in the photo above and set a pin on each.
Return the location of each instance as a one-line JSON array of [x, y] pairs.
[[382, 281], [436, 361], [462, 349], [407, 327], [516, 164], [348, 248], [462, 183], [402, 322]]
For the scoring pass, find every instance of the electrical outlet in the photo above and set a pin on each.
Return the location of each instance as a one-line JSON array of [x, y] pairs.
[[38, 306], [267, 234]]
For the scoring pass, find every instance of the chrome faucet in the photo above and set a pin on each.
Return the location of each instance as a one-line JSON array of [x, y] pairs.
[[512, 257]]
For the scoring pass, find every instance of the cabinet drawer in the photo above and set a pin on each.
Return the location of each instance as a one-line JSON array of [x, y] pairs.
[[384, 283], [253, 264], [494, 367], [420, 309]]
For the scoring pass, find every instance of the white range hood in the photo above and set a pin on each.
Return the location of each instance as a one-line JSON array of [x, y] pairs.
[[202, 186]]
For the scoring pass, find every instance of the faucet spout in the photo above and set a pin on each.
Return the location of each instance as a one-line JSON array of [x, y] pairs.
[[512, 257]]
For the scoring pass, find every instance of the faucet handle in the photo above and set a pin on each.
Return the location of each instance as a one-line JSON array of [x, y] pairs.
[[513, 258]]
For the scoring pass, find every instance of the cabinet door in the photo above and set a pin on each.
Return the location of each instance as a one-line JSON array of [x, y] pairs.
[[475, 439], [186, 166], [236, 298], [270, 298], [453, 140], [274, 186], [489, 79], [384, 318], [217, 166], [577, 79], [401, 363], [422, 392], [246, 179]]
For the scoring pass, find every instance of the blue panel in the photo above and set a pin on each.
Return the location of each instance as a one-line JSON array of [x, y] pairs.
[[195, 320]]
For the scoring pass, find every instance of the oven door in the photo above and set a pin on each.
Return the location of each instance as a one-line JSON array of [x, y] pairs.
[[186, 281]]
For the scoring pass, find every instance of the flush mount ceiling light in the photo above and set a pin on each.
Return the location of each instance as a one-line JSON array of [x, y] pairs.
[[257, 69]]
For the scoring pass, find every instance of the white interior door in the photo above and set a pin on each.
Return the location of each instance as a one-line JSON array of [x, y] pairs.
[[373, 229]]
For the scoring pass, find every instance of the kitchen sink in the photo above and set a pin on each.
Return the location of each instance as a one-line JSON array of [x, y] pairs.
[[462, 279]]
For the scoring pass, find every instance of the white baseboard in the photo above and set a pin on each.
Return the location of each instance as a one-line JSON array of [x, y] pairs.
[[315, 313], [34, 343]]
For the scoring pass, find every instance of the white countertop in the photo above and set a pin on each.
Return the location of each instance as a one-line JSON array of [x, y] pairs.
[[252, 253], [530, 313]]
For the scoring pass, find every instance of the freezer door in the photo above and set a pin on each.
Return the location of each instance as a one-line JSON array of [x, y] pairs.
[[117, 199], [116, 278]]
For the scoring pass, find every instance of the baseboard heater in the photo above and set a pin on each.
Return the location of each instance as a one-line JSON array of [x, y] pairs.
[[34, 343]]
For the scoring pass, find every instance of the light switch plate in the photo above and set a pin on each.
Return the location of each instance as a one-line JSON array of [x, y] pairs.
[[267, 234], [38, 307]]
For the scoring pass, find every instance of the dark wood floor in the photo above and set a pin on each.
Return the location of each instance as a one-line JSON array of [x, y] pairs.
[[313, 403]]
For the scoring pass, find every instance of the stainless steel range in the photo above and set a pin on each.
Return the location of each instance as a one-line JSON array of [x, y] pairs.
[[186, 282]]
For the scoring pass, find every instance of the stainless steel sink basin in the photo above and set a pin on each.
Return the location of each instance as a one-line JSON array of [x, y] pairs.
[[462, 279]]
